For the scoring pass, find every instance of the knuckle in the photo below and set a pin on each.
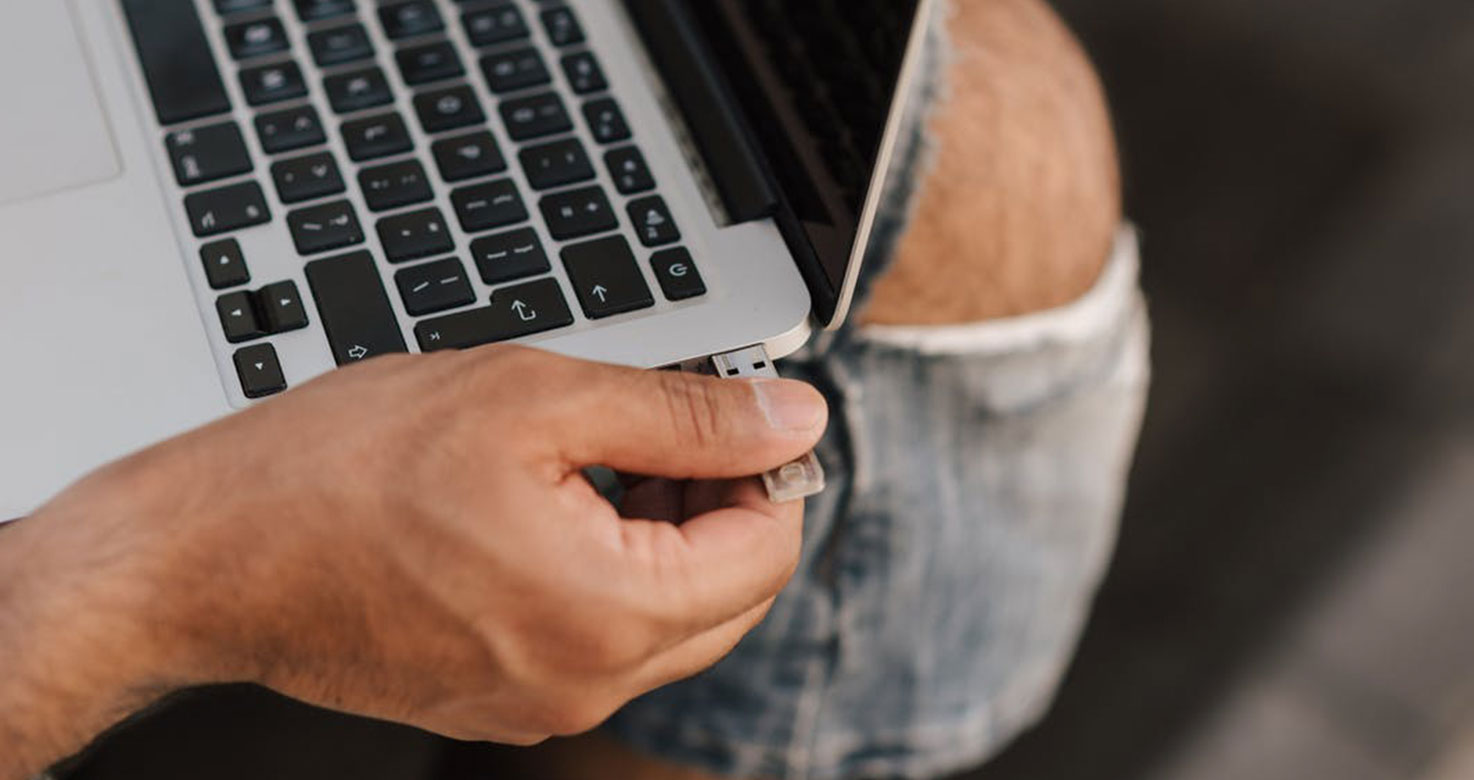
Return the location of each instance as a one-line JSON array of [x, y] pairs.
[[694, 409]]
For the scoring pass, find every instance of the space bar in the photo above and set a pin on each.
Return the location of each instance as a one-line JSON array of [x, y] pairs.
[[355, 310], [176, 58]]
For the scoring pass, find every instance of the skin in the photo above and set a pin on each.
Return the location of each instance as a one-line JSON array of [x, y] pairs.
[[456, 532]]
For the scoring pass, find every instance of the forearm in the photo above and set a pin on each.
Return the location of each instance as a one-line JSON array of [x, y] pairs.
[[1019, 207]]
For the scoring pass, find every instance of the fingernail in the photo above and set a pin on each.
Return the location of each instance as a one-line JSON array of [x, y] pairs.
[[790, 406]]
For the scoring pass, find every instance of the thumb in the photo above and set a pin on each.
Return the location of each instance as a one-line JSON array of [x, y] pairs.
[[685, 426]]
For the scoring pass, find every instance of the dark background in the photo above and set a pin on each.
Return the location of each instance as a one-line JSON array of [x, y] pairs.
[[1291, 595]]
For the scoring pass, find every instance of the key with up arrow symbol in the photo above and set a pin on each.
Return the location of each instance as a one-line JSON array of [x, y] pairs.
[[606, 277]]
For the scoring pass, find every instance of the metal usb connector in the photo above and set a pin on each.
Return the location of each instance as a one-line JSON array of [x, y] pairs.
[[801, 478]]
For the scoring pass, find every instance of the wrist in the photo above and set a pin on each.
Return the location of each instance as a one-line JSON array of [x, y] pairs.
[[84, 623]]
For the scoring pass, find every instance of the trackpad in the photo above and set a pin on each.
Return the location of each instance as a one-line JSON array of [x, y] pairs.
[[54, 135]]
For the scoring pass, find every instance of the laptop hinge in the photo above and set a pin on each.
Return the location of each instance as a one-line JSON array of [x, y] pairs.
[[705, 102]]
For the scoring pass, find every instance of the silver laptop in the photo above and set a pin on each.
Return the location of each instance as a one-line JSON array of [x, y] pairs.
[[204, 203]]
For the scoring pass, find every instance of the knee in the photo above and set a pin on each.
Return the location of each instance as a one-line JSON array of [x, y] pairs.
[[1021, 204]]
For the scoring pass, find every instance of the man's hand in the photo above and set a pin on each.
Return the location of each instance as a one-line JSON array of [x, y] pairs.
[[410, 539]]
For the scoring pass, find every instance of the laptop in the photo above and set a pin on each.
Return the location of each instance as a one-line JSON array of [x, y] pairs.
[[205, 203]]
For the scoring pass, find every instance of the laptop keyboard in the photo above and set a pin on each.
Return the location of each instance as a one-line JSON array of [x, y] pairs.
[[334, 79]]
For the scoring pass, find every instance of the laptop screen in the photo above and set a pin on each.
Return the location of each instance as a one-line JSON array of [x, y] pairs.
[[817, 80]]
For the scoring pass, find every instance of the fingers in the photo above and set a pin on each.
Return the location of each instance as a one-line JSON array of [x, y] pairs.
[[685, 426], [700, 652], [717, 565]]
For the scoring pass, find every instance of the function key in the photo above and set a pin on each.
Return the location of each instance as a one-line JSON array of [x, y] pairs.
[[256, 38], [562, 26], [376, 136], [535, 116], [584, 73], [434, 287], [497, 24], [354, 307], [259, 370], [394, 185], [293, 128], [349, 92], [408, 19], [606, 278], [628, 169], [653, 222], [514, 70], [578, 213], [225, 264], [238, 317], [504, 257], [424, 64], [208, 153], [281, 307], [317, 10], [677, 274], [321, 228], [468, 156], [606, 121], [228, 7], [306, 178], [339, 45], [273, 83], [414, 235], [555, 164], [490, 205], [226, 209], [448, 109], [514, 312]]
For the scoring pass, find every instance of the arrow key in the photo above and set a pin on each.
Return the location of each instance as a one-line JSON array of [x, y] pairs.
[[281, 307], [238, 317], [259, 370], [606, 277]]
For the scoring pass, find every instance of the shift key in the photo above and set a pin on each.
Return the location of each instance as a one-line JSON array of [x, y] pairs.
[[354, 308], [517, 311]]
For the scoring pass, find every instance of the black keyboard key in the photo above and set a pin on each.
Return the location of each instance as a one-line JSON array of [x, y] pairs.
[[293, 128], [555, 164], [394, 185], [653, 222], [434, 287], [677, 274], [433, 62], [490, 205], [578, 213], [238, 317], [503, 257], [606, 121], [281, 307], [448, 109], [225, 264], [514, 70], [323, 228], [468, 156], [176, 58], [318, 10], [306, 178], [355, 91], [584, 73], [273, 83], [535, 116], [256, 38], [226, 209], [498, 24], [415, 235], [208, 153], [354, 307], [259, 370], [228, 7], [628, 169], [376, 136], [606, 278], [413, 18], [340, 45], [562, 26], [514, 312]]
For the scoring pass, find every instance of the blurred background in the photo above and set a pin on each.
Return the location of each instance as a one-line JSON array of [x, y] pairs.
[[1291, 597]]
